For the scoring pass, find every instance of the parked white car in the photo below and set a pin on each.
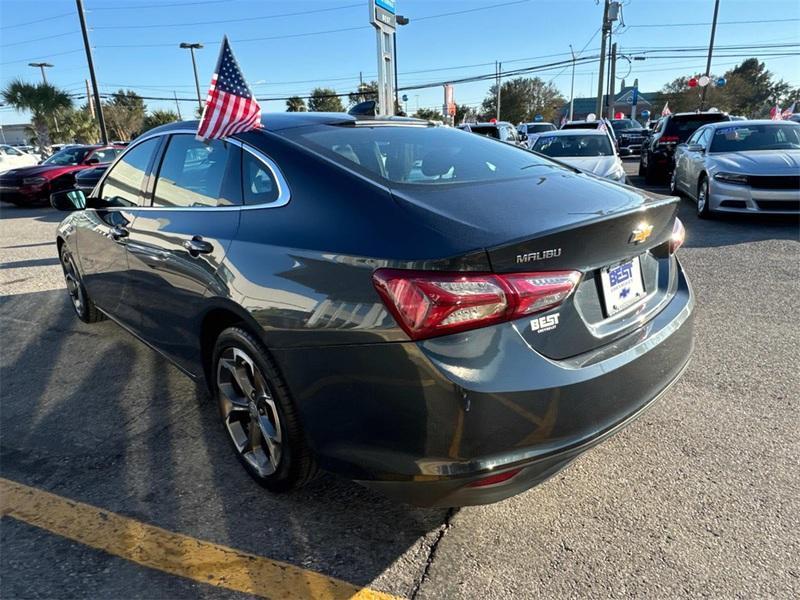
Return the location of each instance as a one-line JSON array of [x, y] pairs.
[[12, 158], [589, 150]]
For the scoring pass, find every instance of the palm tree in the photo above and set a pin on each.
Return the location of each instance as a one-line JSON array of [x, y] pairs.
[[43, 101], [295, 104]]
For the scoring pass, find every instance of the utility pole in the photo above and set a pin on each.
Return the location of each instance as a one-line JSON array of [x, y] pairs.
[[498, 66], [400, 20], [612, 80], [42, 66], [605, 30], [99, 107], [192, 47], [89, 100], [177, 104], [572, 85], [710, 52]]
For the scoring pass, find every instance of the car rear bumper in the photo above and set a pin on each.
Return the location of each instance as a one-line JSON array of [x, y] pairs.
[[422, 421], [726, 197]]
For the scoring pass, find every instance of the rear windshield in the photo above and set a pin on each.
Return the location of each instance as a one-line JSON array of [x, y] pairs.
[[738, 138], [419, 155], [540, 127], [573, 145], [620, 124], [683, 127], [489, 130]]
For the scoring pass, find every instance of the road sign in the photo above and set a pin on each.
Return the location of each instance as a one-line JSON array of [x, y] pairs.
[[538, 118], [382, 12]]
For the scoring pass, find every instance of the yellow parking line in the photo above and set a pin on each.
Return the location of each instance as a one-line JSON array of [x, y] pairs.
[[170, 552]]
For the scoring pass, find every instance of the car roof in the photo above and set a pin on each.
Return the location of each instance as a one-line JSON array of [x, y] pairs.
[[694, 114], [748, 122], [287, 120], [569, 132]]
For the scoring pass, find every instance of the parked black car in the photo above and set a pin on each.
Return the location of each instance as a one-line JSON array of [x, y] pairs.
[[87, 179], [441, 317], [630, 134], [656, 159]]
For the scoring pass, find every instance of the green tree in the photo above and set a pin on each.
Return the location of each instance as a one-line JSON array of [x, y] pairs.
[[429, 114], [365, 91], [158, 118], [325, 100], [43, 101], [296, 104], [462, 112], [125, 114], [523, 98], [78, 126]]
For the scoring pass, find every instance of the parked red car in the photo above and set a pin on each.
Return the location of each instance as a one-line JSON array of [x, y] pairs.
[[32, 185]]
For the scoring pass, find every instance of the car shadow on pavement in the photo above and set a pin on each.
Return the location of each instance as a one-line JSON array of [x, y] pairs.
[[40, 213], [90, 413]]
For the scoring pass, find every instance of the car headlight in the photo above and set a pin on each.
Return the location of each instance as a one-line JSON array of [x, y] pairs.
[[731, 178], [34, 180]]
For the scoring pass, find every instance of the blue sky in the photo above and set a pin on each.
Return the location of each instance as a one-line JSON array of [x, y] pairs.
[[136, 43]]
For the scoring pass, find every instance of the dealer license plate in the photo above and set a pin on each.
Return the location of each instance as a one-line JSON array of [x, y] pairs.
[[622, 285]]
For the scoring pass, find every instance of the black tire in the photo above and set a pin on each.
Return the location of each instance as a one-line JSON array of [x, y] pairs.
[[641, 165], [81, 302], [243, 374], [703, 211], [650, 174], [673, 186]]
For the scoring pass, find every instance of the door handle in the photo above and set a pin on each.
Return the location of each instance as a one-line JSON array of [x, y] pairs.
[[197, 245], [118, 232]]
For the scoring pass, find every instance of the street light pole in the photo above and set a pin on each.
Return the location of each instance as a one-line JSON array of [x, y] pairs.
[[42, 66], [101, 120], [710, 52], [572, 85], [192, 47], [605, 29]]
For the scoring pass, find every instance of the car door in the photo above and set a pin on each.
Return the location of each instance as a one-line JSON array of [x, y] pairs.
[[102, 235], [682, 161], [177, 244], [696, 157]]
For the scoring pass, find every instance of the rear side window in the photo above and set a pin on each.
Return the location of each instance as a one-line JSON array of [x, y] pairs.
[[124, 181], [259, 185], [196, 174], [419, 155]]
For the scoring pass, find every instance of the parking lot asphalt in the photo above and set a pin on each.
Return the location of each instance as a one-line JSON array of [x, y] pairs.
[[699, 497]]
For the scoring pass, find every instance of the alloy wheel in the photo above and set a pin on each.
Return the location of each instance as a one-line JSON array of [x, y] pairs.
[[702, 197], [74, 286], [249, 411]]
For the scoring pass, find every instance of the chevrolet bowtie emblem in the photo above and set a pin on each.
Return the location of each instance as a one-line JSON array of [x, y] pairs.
[[641, 233]]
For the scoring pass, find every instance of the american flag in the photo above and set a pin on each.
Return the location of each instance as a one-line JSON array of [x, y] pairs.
[[230, 105], [788, 111], [775, 113]]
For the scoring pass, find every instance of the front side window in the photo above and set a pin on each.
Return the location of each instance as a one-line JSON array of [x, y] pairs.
[[573, 145], [124, 182], [419, 155], [105, 155], [194, 174]]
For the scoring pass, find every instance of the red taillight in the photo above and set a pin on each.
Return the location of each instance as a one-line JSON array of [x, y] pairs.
[[664, 139], [678, 236], [495, 479], [430, 303]]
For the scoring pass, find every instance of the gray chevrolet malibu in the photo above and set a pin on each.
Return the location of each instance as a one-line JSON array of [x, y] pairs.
[[437, 315]]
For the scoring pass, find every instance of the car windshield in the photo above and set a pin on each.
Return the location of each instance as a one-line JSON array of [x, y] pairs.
[[741, 138], [683, 127], [573, 145], [540, 127], [418, 155], [620, 124], [67, 156]]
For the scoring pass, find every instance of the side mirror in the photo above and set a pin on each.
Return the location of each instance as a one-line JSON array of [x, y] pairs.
[[93, 160], [68, 200]]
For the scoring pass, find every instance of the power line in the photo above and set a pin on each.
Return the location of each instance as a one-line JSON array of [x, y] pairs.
[[161, 5], [720, 23], [239, 20], [9, 62], [37, 21], [469, 10], [46, 37]]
